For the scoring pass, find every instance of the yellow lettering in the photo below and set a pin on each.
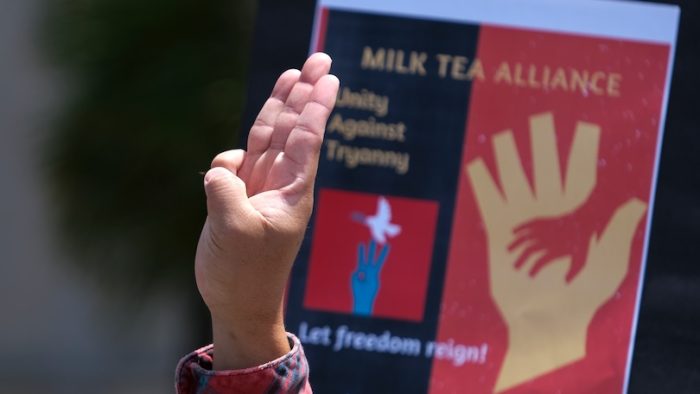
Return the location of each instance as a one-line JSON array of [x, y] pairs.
[[400, 67], [545, 77], [476, 70], [503, 74], [579, 80], [442, 66], [373, 60], [417, 63], [390, 54], [614, 84], [597, 76], [459, 68], [559, 79], [532, 77], [518, 74]]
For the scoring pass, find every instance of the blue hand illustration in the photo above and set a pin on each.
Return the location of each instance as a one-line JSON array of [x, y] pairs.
[[365, 279]]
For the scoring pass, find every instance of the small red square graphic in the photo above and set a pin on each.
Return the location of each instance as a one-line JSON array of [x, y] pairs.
[[371, 255]]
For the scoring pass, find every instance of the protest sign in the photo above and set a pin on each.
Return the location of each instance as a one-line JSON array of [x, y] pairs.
[[484, 195]]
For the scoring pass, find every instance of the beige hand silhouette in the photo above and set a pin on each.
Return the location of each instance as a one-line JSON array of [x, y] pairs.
[[547, 317]]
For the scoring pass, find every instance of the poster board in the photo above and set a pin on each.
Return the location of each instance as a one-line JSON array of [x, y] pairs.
[[484, 195]]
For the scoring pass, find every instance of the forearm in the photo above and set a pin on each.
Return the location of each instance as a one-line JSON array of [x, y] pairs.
[[258, 206]]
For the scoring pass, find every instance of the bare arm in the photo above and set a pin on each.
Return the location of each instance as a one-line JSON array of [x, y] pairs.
[[259, 203]]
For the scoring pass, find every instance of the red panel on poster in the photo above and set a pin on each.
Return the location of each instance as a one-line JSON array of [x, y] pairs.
[[357, 268], [548, 232]]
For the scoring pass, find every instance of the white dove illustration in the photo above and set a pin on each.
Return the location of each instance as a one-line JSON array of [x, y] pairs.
[[380, 225]]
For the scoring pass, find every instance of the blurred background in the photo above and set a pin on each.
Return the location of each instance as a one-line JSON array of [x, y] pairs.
[[108, 111]]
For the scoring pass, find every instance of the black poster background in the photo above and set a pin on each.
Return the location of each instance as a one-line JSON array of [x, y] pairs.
[[434, 111], [668, 335]]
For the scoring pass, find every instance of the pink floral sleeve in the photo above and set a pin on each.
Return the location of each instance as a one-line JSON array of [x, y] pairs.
[[287, 374]]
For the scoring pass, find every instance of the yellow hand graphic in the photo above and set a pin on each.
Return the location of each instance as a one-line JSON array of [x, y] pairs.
[[546, 315]]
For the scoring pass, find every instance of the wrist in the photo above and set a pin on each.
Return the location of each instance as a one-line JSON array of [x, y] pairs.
[[247, 343], [538, 347]]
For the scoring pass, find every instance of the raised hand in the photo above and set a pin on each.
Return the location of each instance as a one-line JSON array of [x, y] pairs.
[[365, 280], [547, 316], [259, 202]]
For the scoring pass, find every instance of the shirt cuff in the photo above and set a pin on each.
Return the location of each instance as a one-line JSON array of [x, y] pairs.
[[287, 374]]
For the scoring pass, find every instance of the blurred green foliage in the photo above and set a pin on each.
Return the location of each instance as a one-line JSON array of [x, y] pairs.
[[154, 90]]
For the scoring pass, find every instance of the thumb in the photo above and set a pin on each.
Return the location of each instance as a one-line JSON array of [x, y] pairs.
[[609, 255], [623, 223], [227, 201]]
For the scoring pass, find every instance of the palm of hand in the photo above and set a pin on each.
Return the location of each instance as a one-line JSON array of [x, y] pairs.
[[284, 142], [547, 317]]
